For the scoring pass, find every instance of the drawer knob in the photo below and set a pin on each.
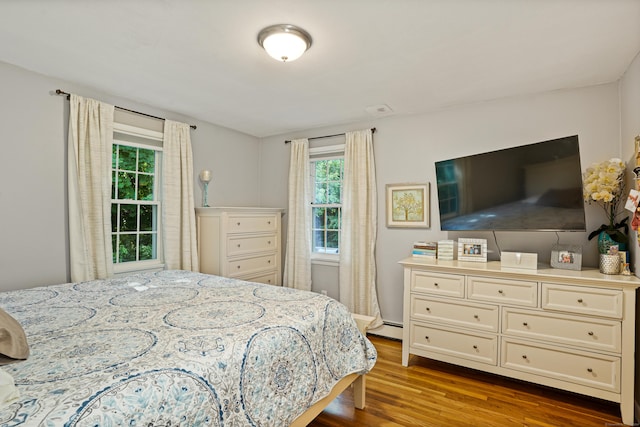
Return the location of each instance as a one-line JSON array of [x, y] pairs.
[[589, 370], [525, 324], [475, 316], [580, 300], [428, 309], [500, 291], [269, 222], [524, 356], [238, 223], [268, 261], [238, 244], [269, 242], [590, 333], [475, 347], [426, 337], [436, 285]]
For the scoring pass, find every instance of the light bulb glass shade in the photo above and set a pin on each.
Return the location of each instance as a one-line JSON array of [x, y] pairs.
[[284, 42], [205, 176]]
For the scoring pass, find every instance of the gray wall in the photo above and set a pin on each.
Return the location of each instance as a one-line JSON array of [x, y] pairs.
[[249, 172], [407, 147], [33, 201]]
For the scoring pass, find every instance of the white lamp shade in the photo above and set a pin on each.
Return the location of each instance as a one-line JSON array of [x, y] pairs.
[[284, 42], [205, 176]]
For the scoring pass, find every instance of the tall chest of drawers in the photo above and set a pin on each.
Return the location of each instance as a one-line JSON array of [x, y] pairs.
[[239, 242], [572, 330]]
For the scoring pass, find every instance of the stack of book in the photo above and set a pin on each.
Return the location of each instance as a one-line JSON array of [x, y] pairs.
[[445, 249], [425, 249]]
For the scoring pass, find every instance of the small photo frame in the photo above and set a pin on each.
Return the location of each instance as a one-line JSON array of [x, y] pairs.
[[472, 250], [567, 257], [632, 200], [408, 205]]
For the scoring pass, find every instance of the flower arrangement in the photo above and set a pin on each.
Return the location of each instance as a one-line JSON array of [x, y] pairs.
[[603, 183]]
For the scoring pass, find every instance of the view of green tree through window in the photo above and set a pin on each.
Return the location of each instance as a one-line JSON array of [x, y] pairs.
[[134, 205], [327, 205]]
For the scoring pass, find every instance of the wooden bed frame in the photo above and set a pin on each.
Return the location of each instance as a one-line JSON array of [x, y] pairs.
[[357, 380]]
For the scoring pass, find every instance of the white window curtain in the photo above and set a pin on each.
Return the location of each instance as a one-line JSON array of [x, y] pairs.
[[359, 225], [297, 265], [179, 222], [89, 186]]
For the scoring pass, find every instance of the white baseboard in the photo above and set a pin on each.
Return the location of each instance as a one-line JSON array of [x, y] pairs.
[[388, 330]]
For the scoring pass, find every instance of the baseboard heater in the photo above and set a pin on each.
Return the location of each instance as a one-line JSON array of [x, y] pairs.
[[394, 324], [389, 329]]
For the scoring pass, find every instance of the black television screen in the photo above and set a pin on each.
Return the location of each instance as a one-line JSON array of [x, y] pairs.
[[529, 187]]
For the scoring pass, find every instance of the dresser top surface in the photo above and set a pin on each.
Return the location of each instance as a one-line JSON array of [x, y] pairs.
[[544, 273], [237, 209]]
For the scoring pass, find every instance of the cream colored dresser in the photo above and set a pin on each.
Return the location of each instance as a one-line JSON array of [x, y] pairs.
[[243, 243], [573, 330]]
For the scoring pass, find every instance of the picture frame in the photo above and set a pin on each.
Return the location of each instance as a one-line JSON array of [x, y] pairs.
[[472, 250], [566, 257], [407, 205]]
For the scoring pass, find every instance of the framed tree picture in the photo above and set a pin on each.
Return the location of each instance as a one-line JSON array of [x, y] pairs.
[[408, 205]]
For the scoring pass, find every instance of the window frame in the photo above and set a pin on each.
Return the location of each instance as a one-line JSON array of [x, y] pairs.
[[316, 154], [155, 143]]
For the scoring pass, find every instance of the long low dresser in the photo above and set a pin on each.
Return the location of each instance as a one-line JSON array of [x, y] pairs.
[[572, 330]]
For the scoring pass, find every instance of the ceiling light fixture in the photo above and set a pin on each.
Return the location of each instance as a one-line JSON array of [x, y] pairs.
[[284, 42]]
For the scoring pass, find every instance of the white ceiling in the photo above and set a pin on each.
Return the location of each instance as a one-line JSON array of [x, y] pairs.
[[200, 57]]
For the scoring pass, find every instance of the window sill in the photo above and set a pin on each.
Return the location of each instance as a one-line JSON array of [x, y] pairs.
[[329, 260], [127, 268]]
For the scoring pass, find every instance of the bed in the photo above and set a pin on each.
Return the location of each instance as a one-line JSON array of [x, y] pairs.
[[178, 348]]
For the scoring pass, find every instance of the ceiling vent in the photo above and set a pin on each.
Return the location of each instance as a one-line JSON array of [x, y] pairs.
[[379, 110]]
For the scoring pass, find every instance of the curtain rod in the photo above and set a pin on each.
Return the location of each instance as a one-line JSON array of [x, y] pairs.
[[373, 130], [61, 92]]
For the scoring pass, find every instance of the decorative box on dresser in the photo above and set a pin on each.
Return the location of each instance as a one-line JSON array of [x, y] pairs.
[[572, 330], [239, 242]]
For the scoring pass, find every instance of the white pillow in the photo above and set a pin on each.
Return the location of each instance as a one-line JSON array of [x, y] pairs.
[[8, 390]]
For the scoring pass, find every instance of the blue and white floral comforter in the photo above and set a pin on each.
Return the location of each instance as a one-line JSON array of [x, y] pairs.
[[177, 348]]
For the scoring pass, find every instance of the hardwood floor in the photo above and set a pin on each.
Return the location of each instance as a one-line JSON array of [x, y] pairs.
[[431, 393]]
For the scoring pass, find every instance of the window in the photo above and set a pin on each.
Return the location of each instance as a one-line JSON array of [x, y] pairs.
[[327, 174], [135, 203]]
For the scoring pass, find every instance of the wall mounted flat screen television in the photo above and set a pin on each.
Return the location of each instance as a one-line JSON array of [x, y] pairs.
[[534, 187]]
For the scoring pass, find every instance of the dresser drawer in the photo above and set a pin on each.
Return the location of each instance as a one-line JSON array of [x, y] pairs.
[[240, 245], [451, 285], [599, 334], [266, 278], [582, 300], [588, 369], [514, 292], [455, 313], [461, 344], [251, 224], [249, 265]]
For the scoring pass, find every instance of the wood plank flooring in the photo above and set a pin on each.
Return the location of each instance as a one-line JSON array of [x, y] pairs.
[[430, 393]]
